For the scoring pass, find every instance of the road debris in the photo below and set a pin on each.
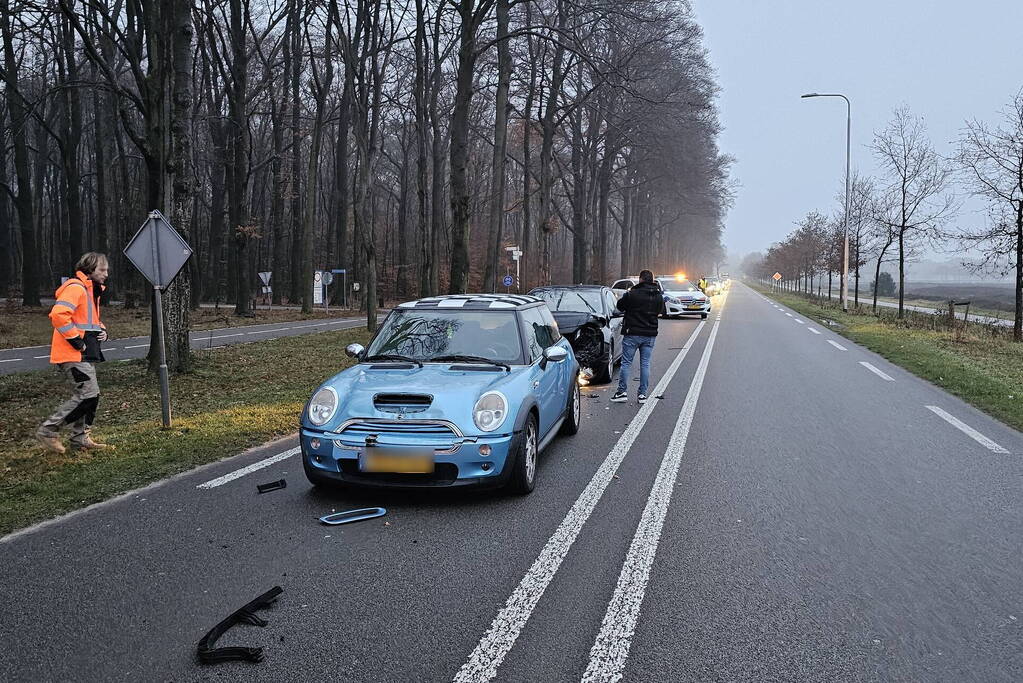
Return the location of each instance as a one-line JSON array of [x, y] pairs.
[[246, 615], [272, 486], [347, 516]]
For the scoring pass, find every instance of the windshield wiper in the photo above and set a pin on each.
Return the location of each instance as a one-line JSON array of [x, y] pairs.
[[392, 356], [472, 359]]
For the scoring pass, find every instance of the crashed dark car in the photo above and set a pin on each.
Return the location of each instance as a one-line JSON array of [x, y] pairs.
[[588, 318]]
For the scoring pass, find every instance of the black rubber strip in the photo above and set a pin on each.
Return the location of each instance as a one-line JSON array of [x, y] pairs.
[[272, 486], [247, 614]]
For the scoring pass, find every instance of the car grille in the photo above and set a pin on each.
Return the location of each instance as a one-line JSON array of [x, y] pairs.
[[364, 428], [445, 473]]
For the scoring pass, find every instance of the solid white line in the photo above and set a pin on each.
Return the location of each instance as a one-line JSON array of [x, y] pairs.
[[813, 330], [837, 345], [968, 430], [239, 334], [137, 346], [877, 372], [501, 636], [610, 650], [231, 476]]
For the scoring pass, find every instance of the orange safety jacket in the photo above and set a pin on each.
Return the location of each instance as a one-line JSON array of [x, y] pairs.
[[75, 313]]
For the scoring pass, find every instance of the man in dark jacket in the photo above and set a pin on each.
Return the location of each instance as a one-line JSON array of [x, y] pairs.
[[641, 306]]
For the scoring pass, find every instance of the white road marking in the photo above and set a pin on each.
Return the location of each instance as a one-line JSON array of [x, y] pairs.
[[137, 346], [799, 321], [789, 314], [813, 330], [837, 345], [877, 372], [231, 476], [485, 659], [967, 430], [610, 650], [46, 356], [239, 334], [10, 360]]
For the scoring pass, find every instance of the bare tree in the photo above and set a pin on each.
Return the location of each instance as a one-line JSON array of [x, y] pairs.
[[915, 203], [992, 160]]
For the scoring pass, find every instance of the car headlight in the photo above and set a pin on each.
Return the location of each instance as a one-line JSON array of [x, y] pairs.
[[490, 411], [322, 406], [674, 301]]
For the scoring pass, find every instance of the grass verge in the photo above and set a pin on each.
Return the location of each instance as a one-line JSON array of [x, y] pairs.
[[236, 397], [21, 326], [984, 367]]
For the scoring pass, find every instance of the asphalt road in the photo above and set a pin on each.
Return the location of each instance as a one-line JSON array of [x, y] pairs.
[[784, 512], [37, 357]]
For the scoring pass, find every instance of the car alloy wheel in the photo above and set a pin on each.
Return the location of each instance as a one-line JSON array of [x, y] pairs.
[[576, 408], [529, 452]]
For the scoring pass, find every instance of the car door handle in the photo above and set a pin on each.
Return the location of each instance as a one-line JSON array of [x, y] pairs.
[[536, 384]]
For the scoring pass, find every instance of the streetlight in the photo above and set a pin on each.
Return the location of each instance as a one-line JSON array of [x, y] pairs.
[[848, 148]]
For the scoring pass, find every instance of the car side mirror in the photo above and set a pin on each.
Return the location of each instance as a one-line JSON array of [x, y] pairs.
[[555, 354], [617, 314], [355, 350]]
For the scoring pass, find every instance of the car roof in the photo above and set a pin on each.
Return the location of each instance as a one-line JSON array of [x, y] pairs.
[[475, 302]]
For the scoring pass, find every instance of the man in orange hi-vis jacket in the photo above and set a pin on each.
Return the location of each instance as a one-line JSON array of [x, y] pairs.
[[77, 334]]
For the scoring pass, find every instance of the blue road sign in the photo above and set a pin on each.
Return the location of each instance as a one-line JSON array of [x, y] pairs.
[[508, 280]]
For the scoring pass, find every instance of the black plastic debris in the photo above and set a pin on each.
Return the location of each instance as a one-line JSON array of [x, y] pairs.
[[272, 486], [348, 516], [246, 615]]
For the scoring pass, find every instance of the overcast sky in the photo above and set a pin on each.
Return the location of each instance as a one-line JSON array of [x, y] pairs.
[[947, 60]]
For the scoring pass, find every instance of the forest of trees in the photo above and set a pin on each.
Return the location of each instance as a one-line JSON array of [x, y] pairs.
[[911, 206], [407, 141]]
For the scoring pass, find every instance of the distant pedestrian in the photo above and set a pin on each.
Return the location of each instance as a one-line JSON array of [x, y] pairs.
[[641, 305], [74, 348], [703, 285]]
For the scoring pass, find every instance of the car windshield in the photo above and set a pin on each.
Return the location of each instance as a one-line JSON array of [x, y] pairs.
[[424, 334], [581, 300], [670, 284]]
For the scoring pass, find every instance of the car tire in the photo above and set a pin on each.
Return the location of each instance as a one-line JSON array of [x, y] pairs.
[[603, 376], [523, 474], [573, 413]]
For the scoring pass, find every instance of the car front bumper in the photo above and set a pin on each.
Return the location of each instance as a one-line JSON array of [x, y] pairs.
[[458, 464], [684, 309]]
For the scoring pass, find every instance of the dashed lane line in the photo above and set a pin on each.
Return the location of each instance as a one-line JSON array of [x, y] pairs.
[[815, 331], [799, 321], [877, 372], [137, 346], [499, 639], [610, 650], [967, 430], [10, 360], [837, 345]]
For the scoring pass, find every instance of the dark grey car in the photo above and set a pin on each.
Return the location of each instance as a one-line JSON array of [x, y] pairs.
[[587, 317]]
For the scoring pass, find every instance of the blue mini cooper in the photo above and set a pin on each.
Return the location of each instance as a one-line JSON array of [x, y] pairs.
[[460, 390]]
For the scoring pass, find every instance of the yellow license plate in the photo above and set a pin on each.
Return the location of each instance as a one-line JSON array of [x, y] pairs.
[[694, 307], [396, 461]]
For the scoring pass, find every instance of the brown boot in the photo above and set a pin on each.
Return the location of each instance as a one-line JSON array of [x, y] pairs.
[[50, 443], [87, 444]]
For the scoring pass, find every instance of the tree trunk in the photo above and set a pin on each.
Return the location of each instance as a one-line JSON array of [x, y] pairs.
[[458, 281], [497, 172], [23, 198]]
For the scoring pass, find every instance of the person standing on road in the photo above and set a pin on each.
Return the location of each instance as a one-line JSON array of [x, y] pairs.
[[74, 348], [641, 306]]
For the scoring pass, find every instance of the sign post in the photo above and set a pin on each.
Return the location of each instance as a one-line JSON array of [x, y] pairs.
[[328, 278], [515, 254], [267, 291], [776, 277], [158, 251]]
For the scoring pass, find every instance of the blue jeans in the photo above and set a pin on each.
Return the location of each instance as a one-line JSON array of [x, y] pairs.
[[630, 343]]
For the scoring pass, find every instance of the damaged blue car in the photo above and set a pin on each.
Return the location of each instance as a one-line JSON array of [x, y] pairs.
[[453, 391]]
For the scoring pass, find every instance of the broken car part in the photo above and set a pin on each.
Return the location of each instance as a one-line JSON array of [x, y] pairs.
[[272, 486], [347, 516], [247, 615]]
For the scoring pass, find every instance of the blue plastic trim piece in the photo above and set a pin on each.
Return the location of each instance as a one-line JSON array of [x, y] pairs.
[[347, 516]]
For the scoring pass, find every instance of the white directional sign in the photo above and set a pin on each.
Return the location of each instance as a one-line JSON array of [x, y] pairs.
[[265, 277], [318, 287]]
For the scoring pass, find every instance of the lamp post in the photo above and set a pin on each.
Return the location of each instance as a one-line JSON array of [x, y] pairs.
[[848, 151]]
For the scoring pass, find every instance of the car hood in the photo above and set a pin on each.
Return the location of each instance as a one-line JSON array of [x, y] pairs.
[[685, 296], [570, 321], [454, 389]]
